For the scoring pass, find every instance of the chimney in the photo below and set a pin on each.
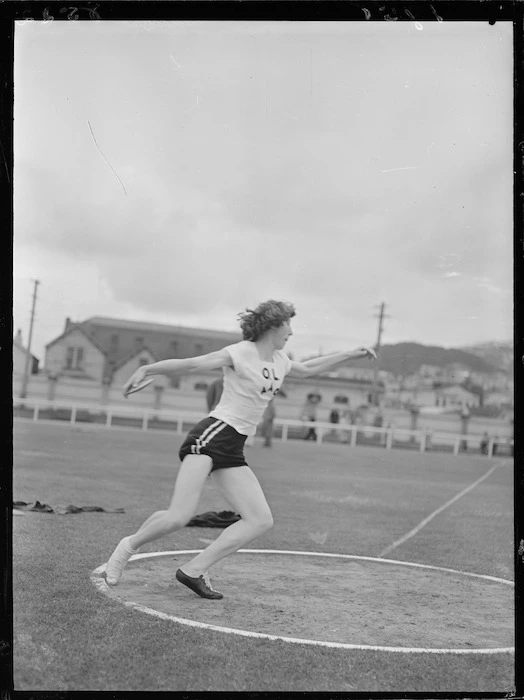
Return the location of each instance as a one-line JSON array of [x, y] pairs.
[[67, 323]]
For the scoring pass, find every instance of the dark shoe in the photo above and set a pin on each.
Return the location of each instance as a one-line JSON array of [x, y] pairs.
[[199, 585]]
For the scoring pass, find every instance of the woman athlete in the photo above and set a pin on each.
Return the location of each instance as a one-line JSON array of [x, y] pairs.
[[254, 370]]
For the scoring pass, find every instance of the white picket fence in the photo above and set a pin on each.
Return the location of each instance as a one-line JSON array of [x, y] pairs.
[[422, 438]]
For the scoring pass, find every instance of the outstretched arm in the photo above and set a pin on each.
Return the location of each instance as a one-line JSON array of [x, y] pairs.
[[213, 360], [322, 364]]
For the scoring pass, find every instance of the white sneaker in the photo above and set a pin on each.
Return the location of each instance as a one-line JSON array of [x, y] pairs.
[[117, 561]]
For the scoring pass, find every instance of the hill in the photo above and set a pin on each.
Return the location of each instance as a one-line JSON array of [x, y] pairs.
[[495, 353], [407, 358]]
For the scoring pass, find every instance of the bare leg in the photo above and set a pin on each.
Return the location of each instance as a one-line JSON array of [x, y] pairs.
[[188, 486], [242, 491]]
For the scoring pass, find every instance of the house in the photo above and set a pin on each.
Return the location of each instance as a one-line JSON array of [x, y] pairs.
[[20, 357], [358, 373], [455, 396], [345, 395], [429, 371], [455, 373], [120, 337], [500, 398], [75, 353], [107, 349], [125, 368]]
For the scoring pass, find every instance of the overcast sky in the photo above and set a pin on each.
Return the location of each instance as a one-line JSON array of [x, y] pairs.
[[180, 171]]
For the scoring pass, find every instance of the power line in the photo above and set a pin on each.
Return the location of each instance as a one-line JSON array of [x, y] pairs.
[[28, 357]]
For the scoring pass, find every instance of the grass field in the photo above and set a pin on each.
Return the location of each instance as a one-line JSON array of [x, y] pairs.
[[329, 498]]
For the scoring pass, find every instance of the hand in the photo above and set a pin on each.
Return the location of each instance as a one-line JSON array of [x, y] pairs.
[[368, 352], [135, 379]]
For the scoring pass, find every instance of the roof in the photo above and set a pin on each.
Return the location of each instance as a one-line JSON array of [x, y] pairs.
[[499, 392], [19, 345], [78, 327], [453, 389], [342, 382], [132, 354], [160, 327]]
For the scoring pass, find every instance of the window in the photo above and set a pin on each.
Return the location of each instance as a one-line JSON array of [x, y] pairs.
[[114, 341], [74, 358], [139, 341], [173, 348], [340, 398], [199, 349], [174, 382], [200, 386]]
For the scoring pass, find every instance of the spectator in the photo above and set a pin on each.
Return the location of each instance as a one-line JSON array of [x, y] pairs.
[[214, 392], [378, 422], [484, 443], [309, 413], [267, 423], [334, 417]]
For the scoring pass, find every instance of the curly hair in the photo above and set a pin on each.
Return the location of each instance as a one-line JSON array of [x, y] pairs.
[[268, 314]]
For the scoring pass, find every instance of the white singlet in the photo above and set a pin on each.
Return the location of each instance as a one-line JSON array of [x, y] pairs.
[[249, 386]]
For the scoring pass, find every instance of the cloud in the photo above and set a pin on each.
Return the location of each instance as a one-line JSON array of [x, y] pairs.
[[258, 166], [493, 288]]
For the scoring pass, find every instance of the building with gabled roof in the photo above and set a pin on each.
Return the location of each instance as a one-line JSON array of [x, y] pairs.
[[100, 322], [119, 337], [75, 353], [455, 395], [129, 364], [100, 346], [20, 353]]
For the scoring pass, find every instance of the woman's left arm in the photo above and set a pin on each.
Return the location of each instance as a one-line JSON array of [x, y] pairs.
[[317, 365]]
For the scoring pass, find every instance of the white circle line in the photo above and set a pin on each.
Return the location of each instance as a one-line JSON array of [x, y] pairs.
[[100, 583], [150, 555]]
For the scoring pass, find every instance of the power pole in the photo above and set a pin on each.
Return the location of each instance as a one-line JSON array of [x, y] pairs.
[[23, 391], [381, 316]]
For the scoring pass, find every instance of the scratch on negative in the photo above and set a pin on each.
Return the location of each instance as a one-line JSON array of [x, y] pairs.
[[410, 167], [103, 156], [5, 162]]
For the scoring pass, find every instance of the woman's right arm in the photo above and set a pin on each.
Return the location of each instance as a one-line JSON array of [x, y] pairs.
[[213, 360]]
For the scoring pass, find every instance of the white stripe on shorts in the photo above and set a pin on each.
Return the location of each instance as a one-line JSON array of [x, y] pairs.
[[209, 429], [201, 442], [210, 437], [196, 448]]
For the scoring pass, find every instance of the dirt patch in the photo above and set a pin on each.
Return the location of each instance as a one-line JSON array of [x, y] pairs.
[[347, 601]]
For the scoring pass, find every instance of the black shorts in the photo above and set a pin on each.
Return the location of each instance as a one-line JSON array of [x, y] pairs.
[[218, 440]]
